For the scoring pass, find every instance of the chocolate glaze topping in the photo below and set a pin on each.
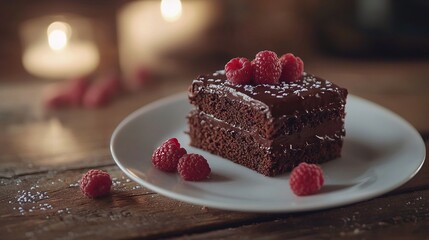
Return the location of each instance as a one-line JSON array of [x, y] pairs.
[[308, 93]]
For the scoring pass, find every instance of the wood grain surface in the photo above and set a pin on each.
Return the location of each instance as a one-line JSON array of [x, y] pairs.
[[44, 153]]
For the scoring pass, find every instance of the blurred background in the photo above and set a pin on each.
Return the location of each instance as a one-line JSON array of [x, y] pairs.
[[354, 43], [181, 37]]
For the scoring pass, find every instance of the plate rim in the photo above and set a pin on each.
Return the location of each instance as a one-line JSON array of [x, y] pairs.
[[248, 208]]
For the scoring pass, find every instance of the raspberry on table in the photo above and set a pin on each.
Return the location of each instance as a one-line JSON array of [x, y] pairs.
[[239, 71], [267, 68], [306, 179], [292, 68], [102, 92], [95, 183], [166, 156], [193, 167]]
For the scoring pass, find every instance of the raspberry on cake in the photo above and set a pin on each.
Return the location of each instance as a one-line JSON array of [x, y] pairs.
[[239, 71], [269, 128], [292, 67], [266, 68]]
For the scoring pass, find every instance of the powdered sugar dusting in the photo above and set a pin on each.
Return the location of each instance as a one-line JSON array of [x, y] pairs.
[[123, 184], [219, 72], [35, 199], [29, 201], [308, 86]]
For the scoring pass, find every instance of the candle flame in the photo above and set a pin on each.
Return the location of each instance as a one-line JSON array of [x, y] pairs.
[[171, 10], [58, 35]]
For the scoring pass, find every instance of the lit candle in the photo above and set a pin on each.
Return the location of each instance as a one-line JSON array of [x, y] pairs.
[[58, 55], [149, 30], [171, 10]]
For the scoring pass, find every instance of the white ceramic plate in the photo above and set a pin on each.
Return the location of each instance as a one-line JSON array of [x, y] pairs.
[[381, 152]]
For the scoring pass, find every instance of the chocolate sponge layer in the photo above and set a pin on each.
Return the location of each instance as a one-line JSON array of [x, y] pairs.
[[268, 157]]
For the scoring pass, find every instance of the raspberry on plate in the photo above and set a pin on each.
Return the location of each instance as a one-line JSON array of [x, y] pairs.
[[95, 183], [306, 179], [193, 167], [166, 156], [267, 68], [239, 71], [292, 68]]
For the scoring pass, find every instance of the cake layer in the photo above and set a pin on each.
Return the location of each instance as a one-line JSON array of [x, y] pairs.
[[269, 157], [269, 110]]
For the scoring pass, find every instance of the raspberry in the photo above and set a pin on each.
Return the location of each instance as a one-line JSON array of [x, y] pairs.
[[193, 167], [292, 68], [267, 68], [166, 156], [102, 92], [95, 183], [239, 71], [76, 89], [306, 179], [66, 94]]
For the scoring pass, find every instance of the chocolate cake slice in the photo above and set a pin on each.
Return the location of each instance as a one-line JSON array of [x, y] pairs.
[[268, 128]]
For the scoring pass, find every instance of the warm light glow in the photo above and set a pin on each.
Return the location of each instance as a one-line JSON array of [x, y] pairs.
[[171, 10], [58, 35], [77, 59]]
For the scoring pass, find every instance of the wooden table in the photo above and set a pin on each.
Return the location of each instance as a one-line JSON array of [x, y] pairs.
[[43, 154]]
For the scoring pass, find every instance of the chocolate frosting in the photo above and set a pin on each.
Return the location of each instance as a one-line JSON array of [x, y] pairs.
[[306, 94]]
